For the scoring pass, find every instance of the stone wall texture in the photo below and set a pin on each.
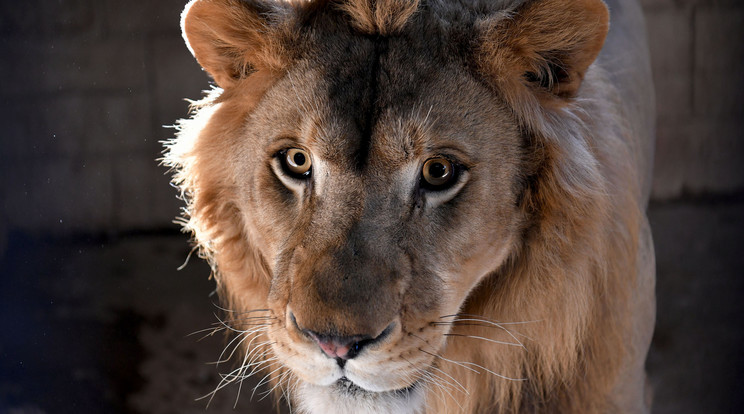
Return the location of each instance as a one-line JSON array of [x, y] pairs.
[[88, 87], [697, 52]]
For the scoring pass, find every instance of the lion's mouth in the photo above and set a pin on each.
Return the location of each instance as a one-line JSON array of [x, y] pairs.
[[348, 387]]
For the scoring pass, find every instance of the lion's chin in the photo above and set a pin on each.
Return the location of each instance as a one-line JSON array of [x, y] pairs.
[[344, 396]]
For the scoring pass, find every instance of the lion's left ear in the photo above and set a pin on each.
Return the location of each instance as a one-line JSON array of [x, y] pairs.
[[544, 46]]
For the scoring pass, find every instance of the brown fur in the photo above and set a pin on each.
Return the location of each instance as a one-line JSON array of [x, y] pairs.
[[543, 250]]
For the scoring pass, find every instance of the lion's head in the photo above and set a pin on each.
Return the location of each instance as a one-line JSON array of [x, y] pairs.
[[400, 199]]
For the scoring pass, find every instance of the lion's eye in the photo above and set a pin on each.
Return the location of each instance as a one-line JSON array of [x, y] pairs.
[[438, 174], [296, 162]]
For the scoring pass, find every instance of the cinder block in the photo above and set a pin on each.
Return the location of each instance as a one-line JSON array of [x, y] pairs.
[[177, 77], [719, 61], [699, 285], [681, 4], [126, 118], [698, 156], [72, 64], [47, 17], [670, 158], [58, 196], [144, 196], [147, 17], [76, 125], [670, 43], [648, 5], [718, 164]]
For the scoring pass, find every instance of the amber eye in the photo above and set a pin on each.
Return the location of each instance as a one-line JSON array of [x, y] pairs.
[[297, 162], [438, 173]]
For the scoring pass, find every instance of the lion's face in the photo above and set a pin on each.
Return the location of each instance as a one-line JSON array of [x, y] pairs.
[[354, 182], [376, 208]]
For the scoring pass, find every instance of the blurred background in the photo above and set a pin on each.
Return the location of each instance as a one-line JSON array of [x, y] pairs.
[[94, 316]]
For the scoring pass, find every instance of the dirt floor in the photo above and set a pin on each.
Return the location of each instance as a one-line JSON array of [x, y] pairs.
[[101, 325]]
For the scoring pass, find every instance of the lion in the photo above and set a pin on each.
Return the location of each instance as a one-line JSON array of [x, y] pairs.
[[426, 206]]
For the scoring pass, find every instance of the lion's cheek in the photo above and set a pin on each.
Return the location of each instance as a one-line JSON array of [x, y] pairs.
[[263, 236], [472, 269]]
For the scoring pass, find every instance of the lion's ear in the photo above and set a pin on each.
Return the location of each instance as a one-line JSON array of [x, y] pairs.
[[230, 38], [544, 45]]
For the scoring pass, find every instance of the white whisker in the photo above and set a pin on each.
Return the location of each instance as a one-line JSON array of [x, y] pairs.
[[467, 365], [265, 378], [279, 380], [453, 379], [434, 381], [249, 326], [487, 339], [490, 323]]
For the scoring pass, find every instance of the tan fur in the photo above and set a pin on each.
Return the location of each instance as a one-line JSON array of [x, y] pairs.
[[383, 17], [527, 287]]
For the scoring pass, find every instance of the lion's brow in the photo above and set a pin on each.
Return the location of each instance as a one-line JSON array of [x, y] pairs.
[[353, 93]]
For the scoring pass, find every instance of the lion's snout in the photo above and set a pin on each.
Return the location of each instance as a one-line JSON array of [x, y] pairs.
[[343, 298], [341, 316]]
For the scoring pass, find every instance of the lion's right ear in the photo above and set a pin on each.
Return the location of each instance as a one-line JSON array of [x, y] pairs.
[[231, 38]]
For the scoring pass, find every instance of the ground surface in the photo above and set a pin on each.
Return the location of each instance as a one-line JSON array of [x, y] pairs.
[[101, 325]]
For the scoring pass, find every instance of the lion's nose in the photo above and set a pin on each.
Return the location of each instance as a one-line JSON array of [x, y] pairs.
[[342, 348], [337, 347]]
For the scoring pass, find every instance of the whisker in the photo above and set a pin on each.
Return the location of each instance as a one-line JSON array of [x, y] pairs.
[[486, 339], [225, 324], [454, 362], [212, 331], [432, 379], [239, 312], [265, 378], [473, 317], [258, 358], [254, 359], [279, 380], [290, 388], [441, 381], [484, 319], [237, 395], [442, 384], [242, 338], [227, 379], [429, 387], [425, 380], [224, 381], [426, 371], [240, 317], [467, 365], [258, 365], [495, 324], [453, 379], [243, 377]]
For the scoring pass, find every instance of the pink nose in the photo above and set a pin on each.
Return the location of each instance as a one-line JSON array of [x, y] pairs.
[[337, 347], [342, 348], [334, 349]]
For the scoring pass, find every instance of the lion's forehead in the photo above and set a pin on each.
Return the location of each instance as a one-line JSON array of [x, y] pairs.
[[381, 101]]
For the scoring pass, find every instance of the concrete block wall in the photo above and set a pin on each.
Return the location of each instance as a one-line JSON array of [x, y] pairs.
[[87, 87], [88, 84], [698, 56]]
